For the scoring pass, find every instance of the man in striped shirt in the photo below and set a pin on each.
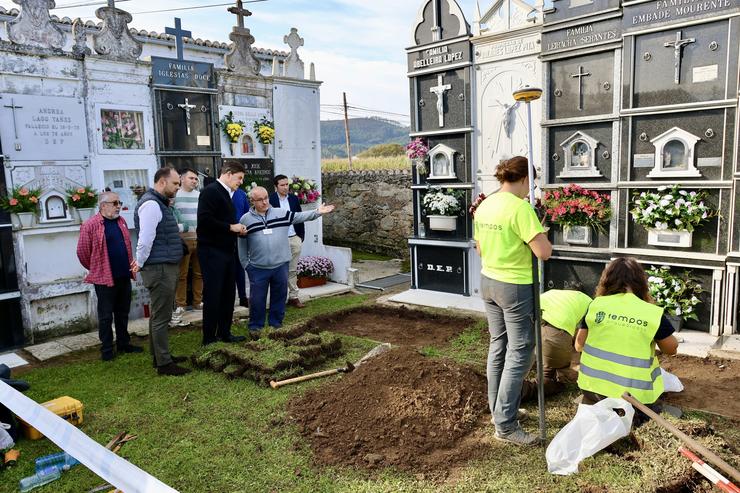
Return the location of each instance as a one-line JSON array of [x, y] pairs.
[[265, 253], [186, 205]]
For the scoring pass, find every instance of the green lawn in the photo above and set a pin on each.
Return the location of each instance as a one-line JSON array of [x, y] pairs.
[[204, 433]]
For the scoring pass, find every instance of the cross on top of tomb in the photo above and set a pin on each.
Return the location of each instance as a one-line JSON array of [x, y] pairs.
[[178, 33], [14, 107], [240, 12], [678, 46]]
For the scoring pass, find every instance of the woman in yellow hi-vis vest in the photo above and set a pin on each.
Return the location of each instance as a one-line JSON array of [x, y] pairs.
[[618, 347], [507, 232]]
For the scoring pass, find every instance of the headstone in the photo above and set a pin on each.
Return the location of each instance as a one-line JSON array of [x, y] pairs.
[[114, 39], [33, 26], [294, 67], [240, 58]]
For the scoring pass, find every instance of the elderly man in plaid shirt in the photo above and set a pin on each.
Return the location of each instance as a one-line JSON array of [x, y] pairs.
[[104, 249]]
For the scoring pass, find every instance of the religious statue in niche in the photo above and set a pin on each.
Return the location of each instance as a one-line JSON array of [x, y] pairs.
[[247, 145], [580, 156], [442, 162], [674, 154]]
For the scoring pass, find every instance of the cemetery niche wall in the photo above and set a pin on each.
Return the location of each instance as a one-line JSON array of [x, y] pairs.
[[94, 104]]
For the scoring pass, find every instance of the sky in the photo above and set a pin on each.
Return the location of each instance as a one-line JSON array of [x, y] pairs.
[[358, 46]]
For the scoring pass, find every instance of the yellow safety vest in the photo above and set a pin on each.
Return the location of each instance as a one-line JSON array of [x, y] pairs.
[[563, 308], [619, 354]]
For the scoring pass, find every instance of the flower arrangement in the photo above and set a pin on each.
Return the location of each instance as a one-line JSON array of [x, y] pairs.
[[576, 206], [21, 199], [264, 129], [417, 152], [232, 129], [306, 190], [82, 197], [476, 203], [121, 129], [314, 266], [440, 202], [671, 209], [677, 294]]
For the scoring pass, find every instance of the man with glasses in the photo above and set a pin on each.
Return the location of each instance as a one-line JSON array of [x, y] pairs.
[[104, 249]]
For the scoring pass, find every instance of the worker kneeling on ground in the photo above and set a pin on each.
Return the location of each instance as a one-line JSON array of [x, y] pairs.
[[618, 346], [562, 312]]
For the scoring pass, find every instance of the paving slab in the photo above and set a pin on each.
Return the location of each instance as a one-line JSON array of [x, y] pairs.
[[12, 360], [436, 299], [139, 326], [695, 343], [328, 289], [47, 350], [730, 348], [80, 341], [374, 269]]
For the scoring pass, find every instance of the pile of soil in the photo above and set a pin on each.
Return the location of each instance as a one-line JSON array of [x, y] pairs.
[[397, 325], [399, 409]]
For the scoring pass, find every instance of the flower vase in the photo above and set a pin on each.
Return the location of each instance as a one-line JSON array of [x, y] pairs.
[[676, 321], [670, 238], [25, 219], [443, 223], [310, 282], [266, 149], [421, 168], [85, 213], [234, 146]]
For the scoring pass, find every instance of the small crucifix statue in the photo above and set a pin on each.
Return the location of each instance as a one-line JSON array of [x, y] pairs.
[[677, 46], [187, 107], [440, 90], [580, 74], [178, 33], [240, 12]]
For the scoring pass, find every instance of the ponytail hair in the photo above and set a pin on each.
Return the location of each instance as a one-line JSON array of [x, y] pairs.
[[623, 274], [513, 170]]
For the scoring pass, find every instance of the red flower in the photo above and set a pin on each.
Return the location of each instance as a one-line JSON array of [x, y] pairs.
[[23, 191], [13, 202]]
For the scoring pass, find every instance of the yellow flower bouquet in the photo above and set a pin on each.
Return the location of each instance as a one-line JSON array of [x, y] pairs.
[[233, 129], [264, 129]]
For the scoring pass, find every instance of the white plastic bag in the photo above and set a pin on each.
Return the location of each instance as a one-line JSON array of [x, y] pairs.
[[592, 429], [6, 441], [671, 383]]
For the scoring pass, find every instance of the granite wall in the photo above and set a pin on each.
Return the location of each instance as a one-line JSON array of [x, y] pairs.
[[373, 210]]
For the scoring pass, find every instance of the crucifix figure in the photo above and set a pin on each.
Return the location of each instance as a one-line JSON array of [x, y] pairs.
[[13, 107], [187, 107], [178, 33], [677, 46], [580, 74], [240, 12], [440, 90]]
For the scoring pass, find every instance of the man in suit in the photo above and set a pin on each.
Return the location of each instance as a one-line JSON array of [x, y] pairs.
[[217, 233], [282, 199]]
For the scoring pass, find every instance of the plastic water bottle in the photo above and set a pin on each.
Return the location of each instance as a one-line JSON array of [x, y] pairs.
[[62, 460], [39, 479]]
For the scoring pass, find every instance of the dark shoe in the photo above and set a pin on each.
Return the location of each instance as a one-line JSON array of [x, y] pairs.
[[244, 302], [173, 370], [130, 348], [296, 303], [233, 338], [179, 359], [108, 356]]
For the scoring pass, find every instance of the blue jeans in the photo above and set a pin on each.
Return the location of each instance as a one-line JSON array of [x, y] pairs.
[[509, 308], [260, 280]]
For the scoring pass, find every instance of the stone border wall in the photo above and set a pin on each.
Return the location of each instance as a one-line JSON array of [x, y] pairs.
[[374, 211]]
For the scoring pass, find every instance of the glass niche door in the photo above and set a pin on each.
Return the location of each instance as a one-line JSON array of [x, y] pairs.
[[185, 122], [205, 166]]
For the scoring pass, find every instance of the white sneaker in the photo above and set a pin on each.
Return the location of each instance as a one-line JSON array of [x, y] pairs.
[[179, 312], [199, 306]]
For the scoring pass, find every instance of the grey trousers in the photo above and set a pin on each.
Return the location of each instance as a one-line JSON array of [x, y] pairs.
[[161, 281], [509, 308], [295, 252]]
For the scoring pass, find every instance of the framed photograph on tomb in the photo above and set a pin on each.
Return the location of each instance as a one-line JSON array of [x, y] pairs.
[[123, 129]]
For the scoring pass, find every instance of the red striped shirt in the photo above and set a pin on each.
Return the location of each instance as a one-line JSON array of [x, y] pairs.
[[93, 252]]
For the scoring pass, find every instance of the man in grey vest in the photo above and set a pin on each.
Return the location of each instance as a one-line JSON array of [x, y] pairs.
[[158, 252]]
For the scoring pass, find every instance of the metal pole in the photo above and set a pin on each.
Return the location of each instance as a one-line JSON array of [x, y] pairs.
[[346, 131], [527, 95]]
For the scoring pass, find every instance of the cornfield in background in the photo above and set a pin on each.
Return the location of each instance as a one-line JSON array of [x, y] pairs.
[[363, 164]]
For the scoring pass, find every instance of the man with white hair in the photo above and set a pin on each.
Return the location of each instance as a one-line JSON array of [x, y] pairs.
[[265, 253], [104, 249]]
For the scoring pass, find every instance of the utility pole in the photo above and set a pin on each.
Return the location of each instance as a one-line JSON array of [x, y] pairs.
[[346, 131]]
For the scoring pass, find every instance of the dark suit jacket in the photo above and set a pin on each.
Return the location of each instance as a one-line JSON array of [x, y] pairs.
[[295, 206], [215, 215]]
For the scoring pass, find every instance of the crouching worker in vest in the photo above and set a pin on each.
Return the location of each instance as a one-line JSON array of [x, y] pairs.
[[562, 312], [618, 346]]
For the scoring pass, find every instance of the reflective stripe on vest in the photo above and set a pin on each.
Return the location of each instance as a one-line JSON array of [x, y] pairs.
[[623, 381], [618, 358]]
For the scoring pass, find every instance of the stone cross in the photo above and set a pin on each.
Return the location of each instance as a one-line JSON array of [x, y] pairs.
[[580, 74], [677, 46], [187, 107], [240, 12], [13, 107], [436, 28], [178, 33], [440, 90]]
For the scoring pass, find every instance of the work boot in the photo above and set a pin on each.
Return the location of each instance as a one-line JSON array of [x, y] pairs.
[[107, 356], [244, 302], [173, 370], [130, 348], [296, 302], [518, 437]]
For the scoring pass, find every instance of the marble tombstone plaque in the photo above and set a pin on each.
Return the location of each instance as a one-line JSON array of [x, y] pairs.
[[186, 121], [557, 39], [644, 15], [248, 145], [582, 86], [43, 128], [572, 274], [441, 269], [258, 171], [568, 9], [442, 101], [694, 140], [438, 57], [686, 64], [581, 153]]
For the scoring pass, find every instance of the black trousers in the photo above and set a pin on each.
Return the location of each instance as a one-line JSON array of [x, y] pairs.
[[114, 303], [219, 288]]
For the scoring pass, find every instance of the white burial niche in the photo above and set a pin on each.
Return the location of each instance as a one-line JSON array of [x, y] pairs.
[[674, 154], [442, 163], [580, 156]]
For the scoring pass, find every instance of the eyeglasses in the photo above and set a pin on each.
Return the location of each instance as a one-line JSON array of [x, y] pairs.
[[115, 203], [264, 199]]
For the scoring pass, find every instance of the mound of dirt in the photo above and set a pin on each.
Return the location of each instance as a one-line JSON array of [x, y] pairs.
[[399, 326], [399, 409]]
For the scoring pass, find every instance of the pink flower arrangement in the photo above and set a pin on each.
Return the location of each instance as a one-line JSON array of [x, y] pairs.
[[574, 205], [306, 190], [82, 197], [21, 199], [417, 149]]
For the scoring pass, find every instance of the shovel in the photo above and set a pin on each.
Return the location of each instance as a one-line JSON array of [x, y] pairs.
[[379, 349]]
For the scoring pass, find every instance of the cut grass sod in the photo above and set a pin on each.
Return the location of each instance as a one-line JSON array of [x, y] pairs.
[[205, 432]]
